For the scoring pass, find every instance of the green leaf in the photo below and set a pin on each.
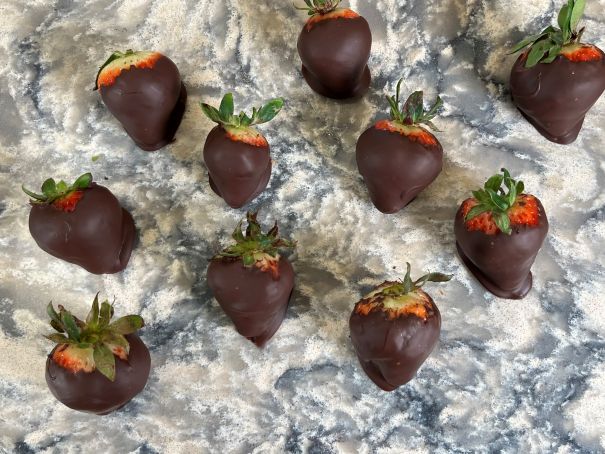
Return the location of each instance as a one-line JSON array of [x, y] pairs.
[[482, 197], [503, 223], [398, 92], [408, 285], [494, 182], [50, 310], [62, 187], [57, 326], [33, 195], [113, 339], [537, 51], [105, 314], [413, 107], [432, 113], [476, 211], [497, 200], [211, 113], [553, 53], [520, 187], [432, 277], [226, 107], [269, 111], [127, 325], [49, 188], [83, 181], [237, 233], [576, 14], [248, 259], [59, 339], [564, 18], [93, 316], [71, 328], [105, 362]]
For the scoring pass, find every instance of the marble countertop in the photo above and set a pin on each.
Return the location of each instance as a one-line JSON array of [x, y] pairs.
[[508, 376]]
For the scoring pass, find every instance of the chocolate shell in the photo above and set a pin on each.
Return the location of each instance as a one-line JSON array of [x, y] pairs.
[[502, 262], [334, 54], [92, 392], [149, 102], [238, 171], [253, 299], [555, 97], [98, 235], [391, 351], [396, 169]]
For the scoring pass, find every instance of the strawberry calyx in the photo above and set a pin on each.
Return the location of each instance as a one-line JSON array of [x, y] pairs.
[[62, 196], [93, 344], [408, 118], [401, 298], [500, 204], [255, 248], [578, 52], [240, 127], [121, 61], [340, 13], [319, 7], [552, 42]]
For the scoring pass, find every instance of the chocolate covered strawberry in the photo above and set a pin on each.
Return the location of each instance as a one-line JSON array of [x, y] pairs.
[[236, 154], [556, 81], [98, 365], [398, 158], [395, 328], [334, 46], [252, 282], [499, 232], [144, 91], [82, 223]]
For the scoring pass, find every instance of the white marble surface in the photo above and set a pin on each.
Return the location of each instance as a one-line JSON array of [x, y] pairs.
[[507, 376]]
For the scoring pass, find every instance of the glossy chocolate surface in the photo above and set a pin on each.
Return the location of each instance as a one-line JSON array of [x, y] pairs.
[[334, 54], [396, 169], [502, 262], [391, 351], [253, 299], [148, 102], [238, 171], [92, 392], [555, 97], [98, 235]]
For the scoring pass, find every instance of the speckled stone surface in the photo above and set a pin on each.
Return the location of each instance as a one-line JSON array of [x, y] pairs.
[[508, 376]]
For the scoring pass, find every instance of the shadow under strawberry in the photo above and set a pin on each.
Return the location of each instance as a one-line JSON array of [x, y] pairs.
[[398, 158], [252, 282], [334, 46], [236, 154], [144, 91], [395, 328], [558, 79], [82, 224], [499, 235], [97, 366]]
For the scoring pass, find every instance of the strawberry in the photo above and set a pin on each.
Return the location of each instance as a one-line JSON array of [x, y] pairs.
[[398, 158], [394, 329], [334, 46], [499, 232], [82, 224], [144, 91], [252, 282], [97, 365], [556, 81], [236, 154]]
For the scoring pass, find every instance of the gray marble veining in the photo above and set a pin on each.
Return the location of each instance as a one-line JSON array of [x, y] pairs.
[[508, 376]]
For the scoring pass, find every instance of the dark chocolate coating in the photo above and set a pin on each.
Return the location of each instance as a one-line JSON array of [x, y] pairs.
[[391, 351], [92, 392], [148, 102], [334, 54], [238, 171], [555, 97], [253, 299], [396, 169], [98, 235], [502, 262]]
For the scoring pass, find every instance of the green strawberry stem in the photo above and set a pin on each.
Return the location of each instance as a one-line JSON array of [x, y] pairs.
[[224, 115], [52, 190], [547, 45], [412, 111], [97, 333], [407, 285], [497, 200], [319, 6], [254, 245]]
